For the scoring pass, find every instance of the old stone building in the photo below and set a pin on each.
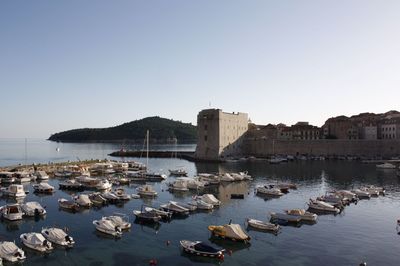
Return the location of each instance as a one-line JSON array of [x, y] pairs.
[[220, 134]]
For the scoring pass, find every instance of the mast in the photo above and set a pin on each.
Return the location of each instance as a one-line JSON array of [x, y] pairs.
[[26, 151], [147, 149]]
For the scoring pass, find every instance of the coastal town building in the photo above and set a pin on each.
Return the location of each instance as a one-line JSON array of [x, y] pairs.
[[220, 134]]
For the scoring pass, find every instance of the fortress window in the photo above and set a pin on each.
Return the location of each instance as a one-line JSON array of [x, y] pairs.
[[205, 138]]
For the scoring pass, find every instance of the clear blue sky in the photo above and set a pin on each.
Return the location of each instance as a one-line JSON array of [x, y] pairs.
[[73, 64]]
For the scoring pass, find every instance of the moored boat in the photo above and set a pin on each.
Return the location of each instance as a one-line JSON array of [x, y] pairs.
[[33, 208], [15, 191], [119, 221], [83, 200], [58, 236], [270, 192], [71, 185], [10, 252], [201, 249], [36, 241], [43, 187], [68, 205], [229, 231], [108, 227], [175, 208], [322, 206], [146, 191], [303, 214], [257, 224], [147, 216], [11, 212]]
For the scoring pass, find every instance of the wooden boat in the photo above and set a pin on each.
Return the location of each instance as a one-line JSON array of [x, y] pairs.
[[201, 249], [257, 224], [36, 241], [58, 236], [68, 205]]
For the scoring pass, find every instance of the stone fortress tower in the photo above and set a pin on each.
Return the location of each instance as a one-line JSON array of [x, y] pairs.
[[220, 134]]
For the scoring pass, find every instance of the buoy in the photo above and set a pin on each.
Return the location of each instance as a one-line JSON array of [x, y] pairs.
[[153, 262], [168, 242]]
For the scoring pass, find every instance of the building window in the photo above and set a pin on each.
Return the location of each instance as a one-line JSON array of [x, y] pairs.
[[205, 138], [205, 127]]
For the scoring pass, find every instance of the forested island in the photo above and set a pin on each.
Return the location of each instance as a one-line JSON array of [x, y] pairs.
[[161, 130]]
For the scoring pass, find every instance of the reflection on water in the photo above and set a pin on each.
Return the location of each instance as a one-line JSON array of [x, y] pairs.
[[362, 232]]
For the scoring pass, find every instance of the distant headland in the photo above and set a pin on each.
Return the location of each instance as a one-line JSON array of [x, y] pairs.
[[162, 130]]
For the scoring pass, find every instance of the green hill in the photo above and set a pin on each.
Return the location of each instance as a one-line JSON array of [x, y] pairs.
[[162, 130]]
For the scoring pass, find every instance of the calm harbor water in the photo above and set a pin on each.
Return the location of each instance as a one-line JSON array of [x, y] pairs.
[[362, 232]]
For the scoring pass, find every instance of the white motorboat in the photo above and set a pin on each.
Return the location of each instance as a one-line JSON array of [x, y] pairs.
[[163, 214], [146, 191], [272, 192], [178, 172], [36, 241], [108, 227], [58, 236], [103, 184], [195, 184], [97, 199], [41, 175], [361, 194], [87, 181], [71, 184], [33, 208], [209, 198], [303, 214], [374, 191], [175, 208], [154, 176], [347, 194], [121, 194], [226, 177], [179, 185], [386, 166], [263, 225], [83, 200], [43, 187], [322, 206], [201, 205], [118, 221], [68, 205], [146, 216], [111, 197], [11, 212], [201, 249], [10, 252], [276, 216], [14, 190], [7, 177]]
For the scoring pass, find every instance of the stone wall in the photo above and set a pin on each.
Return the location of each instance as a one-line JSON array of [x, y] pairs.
[[324, 147]]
